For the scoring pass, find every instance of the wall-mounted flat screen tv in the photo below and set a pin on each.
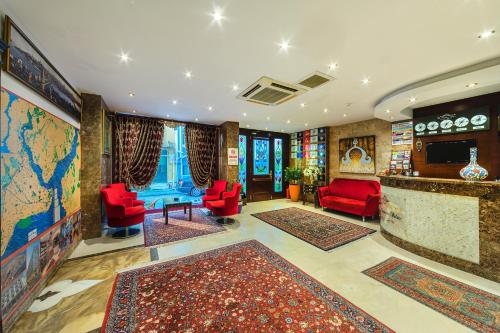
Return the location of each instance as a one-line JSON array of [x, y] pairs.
[[449, 152]]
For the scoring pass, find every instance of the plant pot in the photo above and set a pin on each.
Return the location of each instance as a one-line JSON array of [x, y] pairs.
[[294, 192]]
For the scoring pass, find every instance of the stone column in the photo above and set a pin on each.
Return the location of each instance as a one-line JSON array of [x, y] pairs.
[[229, 132], [92, 172]]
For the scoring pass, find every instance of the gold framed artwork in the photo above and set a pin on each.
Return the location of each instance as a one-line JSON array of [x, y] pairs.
[[357, 155]]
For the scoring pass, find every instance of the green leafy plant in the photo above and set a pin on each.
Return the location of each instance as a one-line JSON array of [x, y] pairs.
[[293, 175]]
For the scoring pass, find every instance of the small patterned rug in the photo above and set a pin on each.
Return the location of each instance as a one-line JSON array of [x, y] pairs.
[[472, 307], [319, 230], [179, 227], [244, 287]]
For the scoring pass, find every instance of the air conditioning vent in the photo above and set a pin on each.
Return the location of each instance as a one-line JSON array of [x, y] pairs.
[[268, 91], [315, 80]]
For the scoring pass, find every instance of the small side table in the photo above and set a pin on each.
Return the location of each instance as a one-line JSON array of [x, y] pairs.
[[312, 189], [170, 203]]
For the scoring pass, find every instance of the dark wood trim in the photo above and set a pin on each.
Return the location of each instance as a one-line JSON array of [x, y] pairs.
[[117, 113]]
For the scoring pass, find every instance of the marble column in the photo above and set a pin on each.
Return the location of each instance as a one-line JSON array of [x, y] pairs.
[[229, 132]]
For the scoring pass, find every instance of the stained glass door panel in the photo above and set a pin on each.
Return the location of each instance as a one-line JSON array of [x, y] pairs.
[[242, 161], [278, 165], [261, 157]]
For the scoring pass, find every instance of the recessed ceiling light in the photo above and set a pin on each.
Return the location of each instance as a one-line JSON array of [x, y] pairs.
[[388, 111], [217, 15], [305, 124], [235, 87], [210, 108], [131, 94], [267, 118], [345, 115], [174, 102], [302, 105], [124, 57], [284, 45], [486, 34], [365, 80], [413, 99], [188, 74], [133, 111], [248, 125], [288, 121], [168, 116], [333, 66], [244, 114], [266, 128], [471, 85], [282, 130], [195, 119], [325, 110]]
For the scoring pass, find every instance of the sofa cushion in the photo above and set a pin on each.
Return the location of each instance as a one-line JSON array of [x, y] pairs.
[[345, 202], [135, 210], [356, 189]]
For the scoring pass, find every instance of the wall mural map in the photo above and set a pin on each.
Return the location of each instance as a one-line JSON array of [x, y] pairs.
[[40, 170]]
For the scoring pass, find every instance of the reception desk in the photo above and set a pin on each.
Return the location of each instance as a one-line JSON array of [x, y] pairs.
[[451, 221]]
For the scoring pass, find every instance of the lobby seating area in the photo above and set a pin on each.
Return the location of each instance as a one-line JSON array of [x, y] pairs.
[[265, 166]]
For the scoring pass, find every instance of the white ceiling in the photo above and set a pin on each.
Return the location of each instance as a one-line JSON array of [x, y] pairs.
[[393, 42]]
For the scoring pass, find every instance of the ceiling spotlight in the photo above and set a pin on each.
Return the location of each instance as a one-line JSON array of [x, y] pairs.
[[248, 125], [210, 108], [365, 80], [282, 130], [217, 15], [124, 57], [188, 74], [244, 114], [235, 87], [302, 105], [267, 118], [288, 121], [284, 45], [471, 85], [388, 111], [168, 116], [486, 34], [133, 111], [413, 99], [305, 124], [333, 66], [174, 102], [325, 110], [131, 94], [195, 119], [345, 115], [266, 128]]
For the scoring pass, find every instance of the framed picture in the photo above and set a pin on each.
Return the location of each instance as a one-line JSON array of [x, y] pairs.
[[24, 61], [357, 155], [106, 133]]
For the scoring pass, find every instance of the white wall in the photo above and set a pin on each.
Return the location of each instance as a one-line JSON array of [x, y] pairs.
[[11, 83]]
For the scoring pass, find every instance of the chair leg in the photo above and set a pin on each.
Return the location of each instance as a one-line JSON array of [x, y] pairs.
[[225, 220], [363, 218], [126, 232]]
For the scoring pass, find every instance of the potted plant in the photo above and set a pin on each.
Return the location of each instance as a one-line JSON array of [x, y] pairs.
[[293, 176]]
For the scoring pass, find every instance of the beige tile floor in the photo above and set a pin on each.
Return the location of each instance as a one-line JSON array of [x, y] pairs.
[[339, 269]]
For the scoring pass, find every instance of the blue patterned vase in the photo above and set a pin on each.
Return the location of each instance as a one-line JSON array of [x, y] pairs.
[[473, 171]]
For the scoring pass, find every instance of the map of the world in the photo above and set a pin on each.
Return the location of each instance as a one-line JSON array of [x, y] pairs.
[[40, 169]]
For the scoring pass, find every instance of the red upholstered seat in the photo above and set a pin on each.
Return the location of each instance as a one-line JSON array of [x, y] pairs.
[[120, 188], [354, 196], [214, 193], [120, 211], [228, 205]]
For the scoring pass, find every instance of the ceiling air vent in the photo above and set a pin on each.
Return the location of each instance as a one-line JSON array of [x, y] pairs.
[[268, 91], [315, 80]]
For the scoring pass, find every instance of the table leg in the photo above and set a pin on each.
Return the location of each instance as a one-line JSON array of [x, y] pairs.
[[184, 209], [166, 215], [190, 212]]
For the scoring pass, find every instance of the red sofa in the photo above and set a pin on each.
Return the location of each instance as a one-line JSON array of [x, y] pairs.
[[354, 196], [121, 212]]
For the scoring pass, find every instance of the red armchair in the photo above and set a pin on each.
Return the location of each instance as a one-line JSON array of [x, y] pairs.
[[121, 212], [214, 193], [354, 196], [120, 187], [227, 206]]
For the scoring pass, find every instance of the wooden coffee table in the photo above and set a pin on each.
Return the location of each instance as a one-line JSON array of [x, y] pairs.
[[177, 202]]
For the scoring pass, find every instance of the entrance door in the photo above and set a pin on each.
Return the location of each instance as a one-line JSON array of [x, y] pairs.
[[266, 158]]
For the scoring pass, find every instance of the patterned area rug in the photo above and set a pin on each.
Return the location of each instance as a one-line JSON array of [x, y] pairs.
[[244, 287], [470, 306], [179, 227], [319, 230]]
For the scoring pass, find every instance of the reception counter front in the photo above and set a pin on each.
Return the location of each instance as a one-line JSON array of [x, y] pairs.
[[451, 221]]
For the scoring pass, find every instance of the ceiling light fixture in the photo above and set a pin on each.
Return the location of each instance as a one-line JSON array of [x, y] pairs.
[[365, 80], [217, 15], [471, 85], [188, 74], [244, 114], [388, 111], [333, 66], [486, 34], [267, 118], [210, 108], [413, 99], [325, 110], [282, 130], [284, 45], [248, 125], [168, 116], [235, 87], [195, 119], [174, 102], [266, 128], [131, 94], [302, 105], [305, 124], [288, 121], [345, 115], [124, 57], [133, 111]]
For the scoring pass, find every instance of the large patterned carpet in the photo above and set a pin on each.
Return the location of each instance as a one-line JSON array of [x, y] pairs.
[[470, 306], [319, 230], [179, 227], [244, 287]]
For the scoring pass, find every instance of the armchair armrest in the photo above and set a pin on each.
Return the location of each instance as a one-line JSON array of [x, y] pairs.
[[226, 195], [372, 204], [212, 191], [131, 195], [323, 191]]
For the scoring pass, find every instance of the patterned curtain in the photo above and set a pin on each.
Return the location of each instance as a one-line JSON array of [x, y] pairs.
[[137, 150], [201, 144]]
